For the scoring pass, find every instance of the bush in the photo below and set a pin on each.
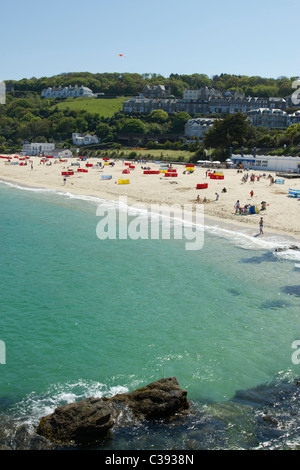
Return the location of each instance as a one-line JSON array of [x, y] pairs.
[[132, 156]]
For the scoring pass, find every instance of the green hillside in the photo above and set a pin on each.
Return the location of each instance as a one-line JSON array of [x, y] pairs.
[[103, 107]]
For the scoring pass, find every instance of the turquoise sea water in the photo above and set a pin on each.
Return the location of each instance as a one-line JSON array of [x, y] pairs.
[[82, 316]]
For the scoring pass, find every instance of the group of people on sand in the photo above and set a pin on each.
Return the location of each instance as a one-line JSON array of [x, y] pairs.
[[199, 200], [251, 178], [241, 210]]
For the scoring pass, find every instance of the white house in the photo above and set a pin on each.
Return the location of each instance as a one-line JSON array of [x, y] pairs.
[[197, 127], [88, 139], [268, 117], [67, 92], [36, 148], [45, 149], [269, 162]]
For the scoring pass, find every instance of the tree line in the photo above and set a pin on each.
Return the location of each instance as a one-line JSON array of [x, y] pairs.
[[126, 84]]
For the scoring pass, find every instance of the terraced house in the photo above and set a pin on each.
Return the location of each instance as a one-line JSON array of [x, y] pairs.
[[202, 101]]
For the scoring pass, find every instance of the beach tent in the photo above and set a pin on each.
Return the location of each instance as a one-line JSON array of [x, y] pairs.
[[254, 210]]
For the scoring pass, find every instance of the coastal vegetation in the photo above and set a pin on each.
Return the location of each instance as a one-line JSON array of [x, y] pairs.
[[28, 117]]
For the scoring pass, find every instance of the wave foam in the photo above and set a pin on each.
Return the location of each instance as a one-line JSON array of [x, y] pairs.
[[33, 407]]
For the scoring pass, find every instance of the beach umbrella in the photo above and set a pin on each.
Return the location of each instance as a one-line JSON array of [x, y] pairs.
[[228, 160]]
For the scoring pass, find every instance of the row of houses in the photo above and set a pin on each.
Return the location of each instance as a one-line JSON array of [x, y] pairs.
[[268, 112], [266, 117], [214, 105], [271, 118]]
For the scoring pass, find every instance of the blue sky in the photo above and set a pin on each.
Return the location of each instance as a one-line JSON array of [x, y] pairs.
[[257, 37]]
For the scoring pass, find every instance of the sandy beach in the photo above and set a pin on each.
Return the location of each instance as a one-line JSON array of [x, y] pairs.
[[282, 214]]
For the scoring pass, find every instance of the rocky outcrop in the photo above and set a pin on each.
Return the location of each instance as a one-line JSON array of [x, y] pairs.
[[157, 400], [90, 419], [85, 420]]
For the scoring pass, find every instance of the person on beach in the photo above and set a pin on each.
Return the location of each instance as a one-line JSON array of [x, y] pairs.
[[261, 226], [251, 194], [237, 206], [217, 196]]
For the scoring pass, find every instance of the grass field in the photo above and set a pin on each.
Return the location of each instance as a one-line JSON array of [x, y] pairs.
[[166, 155], [104, 107]]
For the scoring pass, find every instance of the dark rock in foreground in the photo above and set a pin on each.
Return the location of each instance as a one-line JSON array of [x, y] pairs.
[[91, 419], [85, 420]]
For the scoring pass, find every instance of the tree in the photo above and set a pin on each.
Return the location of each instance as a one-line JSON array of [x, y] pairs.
[[133, 126], [224, 132], [158, 115], [81, 124], [66, 126], [179, 120], [102, 130], [292, 131]]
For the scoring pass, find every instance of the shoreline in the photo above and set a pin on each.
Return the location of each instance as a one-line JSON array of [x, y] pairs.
[[153, 189]]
